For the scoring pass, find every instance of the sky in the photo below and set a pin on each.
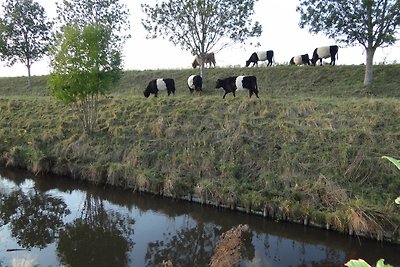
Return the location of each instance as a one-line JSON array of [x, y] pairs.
[[281, 33]]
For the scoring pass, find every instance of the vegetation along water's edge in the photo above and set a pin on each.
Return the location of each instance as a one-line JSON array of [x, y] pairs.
[[309, 150]]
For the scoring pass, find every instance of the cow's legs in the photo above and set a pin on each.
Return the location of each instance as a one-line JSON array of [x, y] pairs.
[[332, 60]]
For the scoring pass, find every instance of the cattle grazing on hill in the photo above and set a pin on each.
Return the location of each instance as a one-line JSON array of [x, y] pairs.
[[325, 52], [300, 60], [209, 59], [237, 83], [261, 56], [195, 83], [157, 85]]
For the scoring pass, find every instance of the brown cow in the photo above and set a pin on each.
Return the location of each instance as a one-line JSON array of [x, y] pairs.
[[210, 59]]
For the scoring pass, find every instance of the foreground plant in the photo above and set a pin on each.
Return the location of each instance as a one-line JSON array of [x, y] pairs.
[[396, 162], [362, 263], [380, 263]]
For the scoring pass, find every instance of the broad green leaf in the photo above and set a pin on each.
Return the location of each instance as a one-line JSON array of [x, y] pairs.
[[381, 263], [396, 162], [357, 263]]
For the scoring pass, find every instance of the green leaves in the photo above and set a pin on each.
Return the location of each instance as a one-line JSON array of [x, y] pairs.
[[201, 25], [352, 22], [86, 56], [362, 263], [396, 162]]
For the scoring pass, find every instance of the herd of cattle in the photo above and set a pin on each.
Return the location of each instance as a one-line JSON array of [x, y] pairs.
[[195, 84], [238, 83]]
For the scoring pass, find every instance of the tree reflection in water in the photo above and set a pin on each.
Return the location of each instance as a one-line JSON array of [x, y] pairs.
[[193, 245], [35, 218], [97, 238]]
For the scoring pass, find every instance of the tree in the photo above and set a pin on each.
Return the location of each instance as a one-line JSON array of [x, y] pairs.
[[199, 26], [86, 57], [370, 23], [25, 33], [109, 13]]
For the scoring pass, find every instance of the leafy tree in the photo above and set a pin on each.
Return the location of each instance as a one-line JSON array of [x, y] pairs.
[[370, 23], [84, 67], [86, 57], [25, 33], [199, 26], [109, 13]]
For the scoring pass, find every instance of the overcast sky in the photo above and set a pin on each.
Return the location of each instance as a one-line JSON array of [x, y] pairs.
[[281, 33]]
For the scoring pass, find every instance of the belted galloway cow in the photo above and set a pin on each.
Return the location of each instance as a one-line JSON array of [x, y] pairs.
[[238, 83], [261, 56], [195, 83], [300, 60], [325, 52], [160, 84]]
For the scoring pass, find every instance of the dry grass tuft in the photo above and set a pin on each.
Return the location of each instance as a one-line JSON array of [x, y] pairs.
[[366, 220], [324, 193]]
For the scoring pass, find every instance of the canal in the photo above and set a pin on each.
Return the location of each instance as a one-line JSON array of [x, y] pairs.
[[54, 221]]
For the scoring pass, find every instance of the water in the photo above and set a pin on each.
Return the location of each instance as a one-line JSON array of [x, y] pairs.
[[53, 221]]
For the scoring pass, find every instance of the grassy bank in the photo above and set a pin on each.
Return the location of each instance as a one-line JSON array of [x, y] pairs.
[[308, 150]]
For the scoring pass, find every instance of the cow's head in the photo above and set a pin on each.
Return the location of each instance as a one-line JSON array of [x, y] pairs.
[[218, 84], [247, 63], [195, 64], [146, 93]]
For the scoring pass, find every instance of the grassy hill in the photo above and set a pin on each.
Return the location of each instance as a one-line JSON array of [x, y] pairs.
[[279, 81], [309, 150]]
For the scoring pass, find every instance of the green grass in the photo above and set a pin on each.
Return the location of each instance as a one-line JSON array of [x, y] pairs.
[[309, 148], [279, 81]]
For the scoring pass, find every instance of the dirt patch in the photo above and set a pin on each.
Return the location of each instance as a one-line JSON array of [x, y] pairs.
[[228, 251]]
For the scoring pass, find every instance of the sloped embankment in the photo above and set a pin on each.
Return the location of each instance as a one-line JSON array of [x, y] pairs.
[[303, 157]]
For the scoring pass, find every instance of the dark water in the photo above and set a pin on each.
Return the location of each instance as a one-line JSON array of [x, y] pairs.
[[52, 221]]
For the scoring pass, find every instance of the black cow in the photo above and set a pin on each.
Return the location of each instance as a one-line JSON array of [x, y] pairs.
[[300, 60], [261, 56], [325, 52], [157, 85], [235, 83], [195, 83]]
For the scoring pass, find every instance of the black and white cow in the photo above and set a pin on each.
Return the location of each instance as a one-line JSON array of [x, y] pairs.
[[157, 85], [261, 56], [237, 83], [300, 60], [325, 52], [195, 83]]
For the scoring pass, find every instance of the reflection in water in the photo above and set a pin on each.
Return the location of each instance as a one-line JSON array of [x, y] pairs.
[[35, 218], [61, 222], [97, 237], [192, 245]]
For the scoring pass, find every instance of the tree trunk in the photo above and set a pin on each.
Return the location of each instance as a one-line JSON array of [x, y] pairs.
[[29, 76], [369, 67], [202, 71]]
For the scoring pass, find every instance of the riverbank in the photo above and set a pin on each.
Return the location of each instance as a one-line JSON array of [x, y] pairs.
[[309, 150]]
